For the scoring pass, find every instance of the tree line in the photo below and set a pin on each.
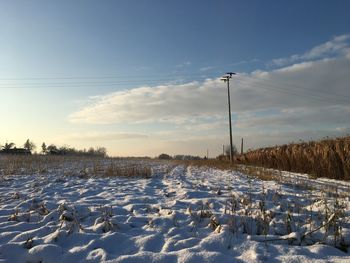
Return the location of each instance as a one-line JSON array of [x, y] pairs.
[[165, 156], [52, 149]]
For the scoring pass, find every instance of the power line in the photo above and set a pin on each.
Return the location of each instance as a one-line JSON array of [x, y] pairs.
[[307, 93], [144, 81], [285, 83], [106, 77], [97, 84], [171, 80]]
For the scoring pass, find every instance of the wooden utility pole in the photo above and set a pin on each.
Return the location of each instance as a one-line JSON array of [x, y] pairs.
[[242, 146], [227, 78]]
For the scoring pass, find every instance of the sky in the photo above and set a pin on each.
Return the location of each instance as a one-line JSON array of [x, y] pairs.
[[143, 77]]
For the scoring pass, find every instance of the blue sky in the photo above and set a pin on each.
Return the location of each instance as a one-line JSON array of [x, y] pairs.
[[140, 77]]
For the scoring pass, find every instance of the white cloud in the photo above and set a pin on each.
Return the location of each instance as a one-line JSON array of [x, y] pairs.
[[298, 118], [253, 60], [339, 45], [303, 99], [171, 103], [310, 84], [206, 68], [184, 64], [104, 136]]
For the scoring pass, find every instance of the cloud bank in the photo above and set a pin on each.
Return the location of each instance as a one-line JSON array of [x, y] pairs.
[[338, 45], [313, 94], [105, 136]]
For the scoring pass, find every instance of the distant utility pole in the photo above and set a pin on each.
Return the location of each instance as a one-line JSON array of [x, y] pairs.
[[242, 146], [225, 79]]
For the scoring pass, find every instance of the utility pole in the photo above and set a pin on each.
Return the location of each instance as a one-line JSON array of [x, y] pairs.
[[227, 78], [242, 146]]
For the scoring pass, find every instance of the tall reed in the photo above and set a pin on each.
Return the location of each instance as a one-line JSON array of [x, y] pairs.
[[326, 158]]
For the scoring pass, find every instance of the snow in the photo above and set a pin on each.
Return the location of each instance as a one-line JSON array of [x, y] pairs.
[[180, 214]]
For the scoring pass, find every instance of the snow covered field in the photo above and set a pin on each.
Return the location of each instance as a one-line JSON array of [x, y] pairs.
[[180, 214]]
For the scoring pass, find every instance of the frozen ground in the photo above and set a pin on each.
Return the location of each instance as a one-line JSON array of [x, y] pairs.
[[181, 214]]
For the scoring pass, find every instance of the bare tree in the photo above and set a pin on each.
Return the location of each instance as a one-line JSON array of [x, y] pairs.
[[227, 150], [8, 146], [28, 145], [44, 148]]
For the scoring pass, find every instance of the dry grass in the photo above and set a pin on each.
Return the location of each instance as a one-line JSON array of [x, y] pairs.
[[258, 172], [33, 164], [214, 163], [128, 171], [326, 158], [74, 166]]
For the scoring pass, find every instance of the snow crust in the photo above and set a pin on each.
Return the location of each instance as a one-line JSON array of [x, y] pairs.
[[181, 214]]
